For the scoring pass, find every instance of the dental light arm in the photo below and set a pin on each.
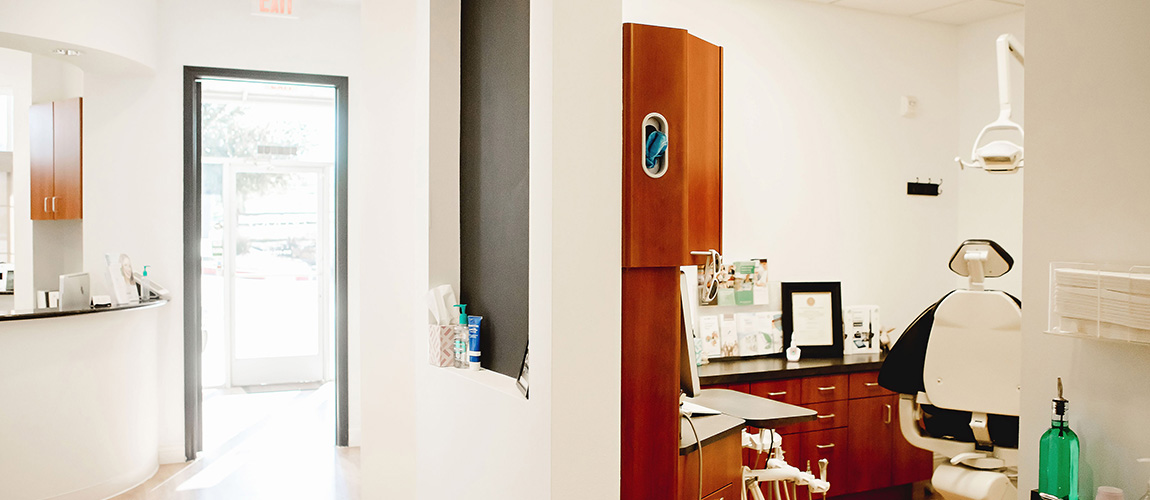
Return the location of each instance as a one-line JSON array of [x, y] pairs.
[[1007, 45], [1000, 156]]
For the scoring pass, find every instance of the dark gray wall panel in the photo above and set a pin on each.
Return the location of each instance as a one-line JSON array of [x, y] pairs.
[[493, 175]]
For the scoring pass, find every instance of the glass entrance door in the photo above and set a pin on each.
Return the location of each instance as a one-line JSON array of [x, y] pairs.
[[277, 265]]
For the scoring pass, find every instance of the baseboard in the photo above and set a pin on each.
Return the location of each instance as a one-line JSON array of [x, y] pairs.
[[112, 486], [173, 454], [353, 434]]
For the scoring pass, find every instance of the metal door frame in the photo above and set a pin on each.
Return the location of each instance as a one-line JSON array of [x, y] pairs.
[[193, 394]]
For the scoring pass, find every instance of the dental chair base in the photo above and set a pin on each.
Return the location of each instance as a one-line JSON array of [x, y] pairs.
[[962, 483]]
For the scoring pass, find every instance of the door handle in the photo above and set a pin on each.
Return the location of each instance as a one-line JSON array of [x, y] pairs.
[[871, 384], [888, 414], [53, 204], [830, 415], [831, 388], [780, 393], [824, 446], [45, 204]]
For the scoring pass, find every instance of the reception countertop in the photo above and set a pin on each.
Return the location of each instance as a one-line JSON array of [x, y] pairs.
[[741, 371], [53, 313]]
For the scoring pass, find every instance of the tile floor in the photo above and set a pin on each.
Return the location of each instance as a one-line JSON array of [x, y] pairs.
[[266, 445]]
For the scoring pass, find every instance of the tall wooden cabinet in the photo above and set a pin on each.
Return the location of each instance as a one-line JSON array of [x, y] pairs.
[[56, 159], [675, 81], [672, 82]]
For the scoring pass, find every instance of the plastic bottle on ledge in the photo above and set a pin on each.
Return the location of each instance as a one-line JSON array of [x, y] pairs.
[[459, 338], [1058, 454]]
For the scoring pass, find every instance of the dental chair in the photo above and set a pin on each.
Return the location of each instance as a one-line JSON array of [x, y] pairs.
[[956, 369]]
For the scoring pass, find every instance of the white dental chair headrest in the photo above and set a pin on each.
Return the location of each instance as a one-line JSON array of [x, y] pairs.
[[996, 262]]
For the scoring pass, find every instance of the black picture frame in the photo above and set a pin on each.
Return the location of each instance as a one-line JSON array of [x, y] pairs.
[[835, 349], [522, 382]]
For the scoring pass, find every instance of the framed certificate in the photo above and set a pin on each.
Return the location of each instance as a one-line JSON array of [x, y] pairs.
[[813, 318]]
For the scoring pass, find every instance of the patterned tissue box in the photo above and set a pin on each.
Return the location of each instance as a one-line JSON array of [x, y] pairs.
[[440, 346]]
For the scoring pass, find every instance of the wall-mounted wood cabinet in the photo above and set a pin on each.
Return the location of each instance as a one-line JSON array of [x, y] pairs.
[[672, 83], [56, 160]]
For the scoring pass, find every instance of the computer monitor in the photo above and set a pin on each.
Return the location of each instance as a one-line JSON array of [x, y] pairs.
[[75, 293], [688, 365]]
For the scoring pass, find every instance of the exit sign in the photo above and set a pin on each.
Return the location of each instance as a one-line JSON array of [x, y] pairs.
[[278, 8]]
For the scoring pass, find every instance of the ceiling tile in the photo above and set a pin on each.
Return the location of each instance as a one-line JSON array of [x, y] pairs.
[[897, 7], [969, 11]]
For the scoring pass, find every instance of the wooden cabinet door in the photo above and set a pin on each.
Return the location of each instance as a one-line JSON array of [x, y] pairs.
[[869, 446], [67, 145], [721, 467], [40, 160], [650, 383], [704, 148], [908, 464], [833, 445], [654, 208]]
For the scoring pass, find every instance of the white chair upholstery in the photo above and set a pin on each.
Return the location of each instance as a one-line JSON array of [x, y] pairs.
[[972, 364]]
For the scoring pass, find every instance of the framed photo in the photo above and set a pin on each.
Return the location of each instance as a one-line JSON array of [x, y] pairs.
[[813, 318], [522, 381]]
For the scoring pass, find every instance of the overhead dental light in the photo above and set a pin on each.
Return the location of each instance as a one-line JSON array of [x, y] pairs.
[[1000, 156]]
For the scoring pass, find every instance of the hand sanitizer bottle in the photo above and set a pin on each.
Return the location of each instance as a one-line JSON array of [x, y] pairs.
[[1058, 454], [459, 338]]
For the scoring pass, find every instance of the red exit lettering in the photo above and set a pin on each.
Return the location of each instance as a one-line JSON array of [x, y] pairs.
[[275, 6]]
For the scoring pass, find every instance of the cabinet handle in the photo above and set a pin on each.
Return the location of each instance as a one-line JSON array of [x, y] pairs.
[[831, 388], [53, 204], [45, 204], [871, 384], [831, 415], [780, 393], [824, 446], [888, 414]]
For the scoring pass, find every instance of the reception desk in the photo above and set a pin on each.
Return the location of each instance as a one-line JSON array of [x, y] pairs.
[[78, 401]]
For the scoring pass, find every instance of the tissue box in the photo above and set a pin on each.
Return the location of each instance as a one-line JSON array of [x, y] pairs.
[[440, 345]]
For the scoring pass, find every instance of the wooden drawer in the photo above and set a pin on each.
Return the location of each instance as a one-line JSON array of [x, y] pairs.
[[831, 415], [822, 389], [722, 466], [787, 391], [865, 385], [829, 444], [729, 492]]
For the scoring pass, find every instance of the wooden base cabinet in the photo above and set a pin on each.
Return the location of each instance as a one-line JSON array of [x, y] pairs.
[[856, 430]]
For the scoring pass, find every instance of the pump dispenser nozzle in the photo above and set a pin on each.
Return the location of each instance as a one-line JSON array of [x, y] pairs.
[[1060, 403], [463, 314]]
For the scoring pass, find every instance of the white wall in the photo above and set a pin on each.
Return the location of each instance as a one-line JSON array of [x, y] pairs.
[[16, 72], [548, 446], [989, 205], [1085, 200], [57, 246], [133, 166], [114, 31], [816, 156], [392, 113]]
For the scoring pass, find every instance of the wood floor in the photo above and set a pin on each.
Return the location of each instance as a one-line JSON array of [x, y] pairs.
[[265, 445]]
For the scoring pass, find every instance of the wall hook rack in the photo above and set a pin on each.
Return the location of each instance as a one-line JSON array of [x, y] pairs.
[[928, 188]]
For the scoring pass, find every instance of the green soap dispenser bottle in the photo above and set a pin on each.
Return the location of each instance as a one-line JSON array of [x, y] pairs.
[[1058, 454]]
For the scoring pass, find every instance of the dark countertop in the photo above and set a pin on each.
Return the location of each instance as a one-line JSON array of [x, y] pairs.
[[741, 371], [711, 428], [55, 313]]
